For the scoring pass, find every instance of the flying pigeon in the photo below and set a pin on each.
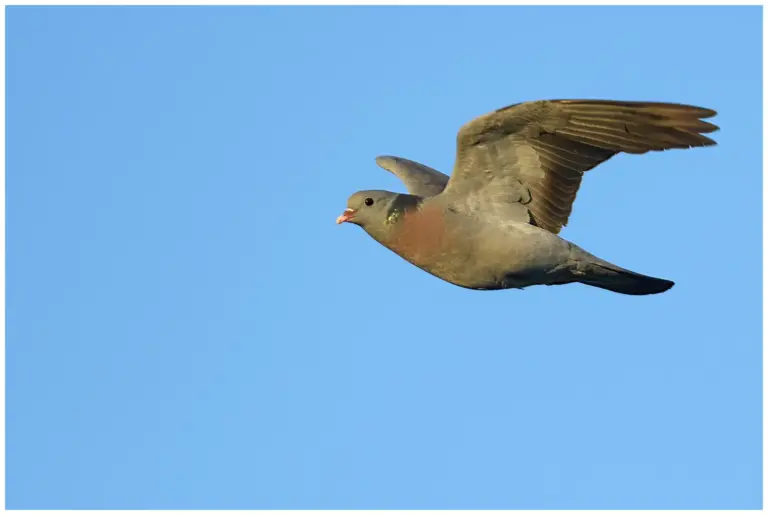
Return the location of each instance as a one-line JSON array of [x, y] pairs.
[[494, 223]]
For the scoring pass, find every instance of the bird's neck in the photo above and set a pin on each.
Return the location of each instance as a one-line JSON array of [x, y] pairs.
[[401, 205]]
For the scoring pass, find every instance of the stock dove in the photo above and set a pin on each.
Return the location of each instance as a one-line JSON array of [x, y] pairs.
[[494, 223]]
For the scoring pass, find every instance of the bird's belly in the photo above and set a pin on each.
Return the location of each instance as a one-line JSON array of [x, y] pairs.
[[497, 258], [450, 264]]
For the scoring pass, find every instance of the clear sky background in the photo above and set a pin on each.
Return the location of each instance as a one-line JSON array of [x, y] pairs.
[[188, 328]]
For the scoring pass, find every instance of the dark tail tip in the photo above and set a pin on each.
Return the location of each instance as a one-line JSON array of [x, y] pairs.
[[626, 282], [660, 286]]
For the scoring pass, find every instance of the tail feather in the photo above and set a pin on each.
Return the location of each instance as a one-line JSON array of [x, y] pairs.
[[610, 277]]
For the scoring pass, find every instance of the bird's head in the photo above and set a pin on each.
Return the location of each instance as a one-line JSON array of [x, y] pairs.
[[368, 207]]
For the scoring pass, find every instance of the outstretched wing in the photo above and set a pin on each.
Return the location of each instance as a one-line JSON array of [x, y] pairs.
[[538, 151], [419, 179]]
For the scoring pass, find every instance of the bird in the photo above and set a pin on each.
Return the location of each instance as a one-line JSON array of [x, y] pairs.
[[495, 222]]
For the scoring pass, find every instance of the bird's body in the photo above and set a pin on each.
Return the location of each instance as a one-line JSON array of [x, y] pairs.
[[492, 250], [494, 223], [482, 252]]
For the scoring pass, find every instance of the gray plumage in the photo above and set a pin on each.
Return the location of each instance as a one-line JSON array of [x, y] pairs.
[[419, 179], [494, 223]]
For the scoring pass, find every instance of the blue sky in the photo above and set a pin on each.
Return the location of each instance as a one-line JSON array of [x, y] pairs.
[[188, 328]]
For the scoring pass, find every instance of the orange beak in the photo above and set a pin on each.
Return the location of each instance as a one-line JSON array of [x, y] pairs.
[[346, 216]]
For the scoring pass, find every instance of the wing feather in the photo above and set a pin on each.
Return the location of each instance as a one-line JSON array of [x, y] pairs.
[[419, 179], [546, 146]]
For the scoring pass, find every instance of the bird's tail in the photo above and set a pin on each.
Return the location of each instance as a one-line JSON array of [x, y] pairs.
[[602, 274]]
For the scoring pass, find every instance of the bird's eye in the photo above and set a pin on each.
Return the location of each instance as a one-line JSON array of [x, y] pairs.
[[369, 201]]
